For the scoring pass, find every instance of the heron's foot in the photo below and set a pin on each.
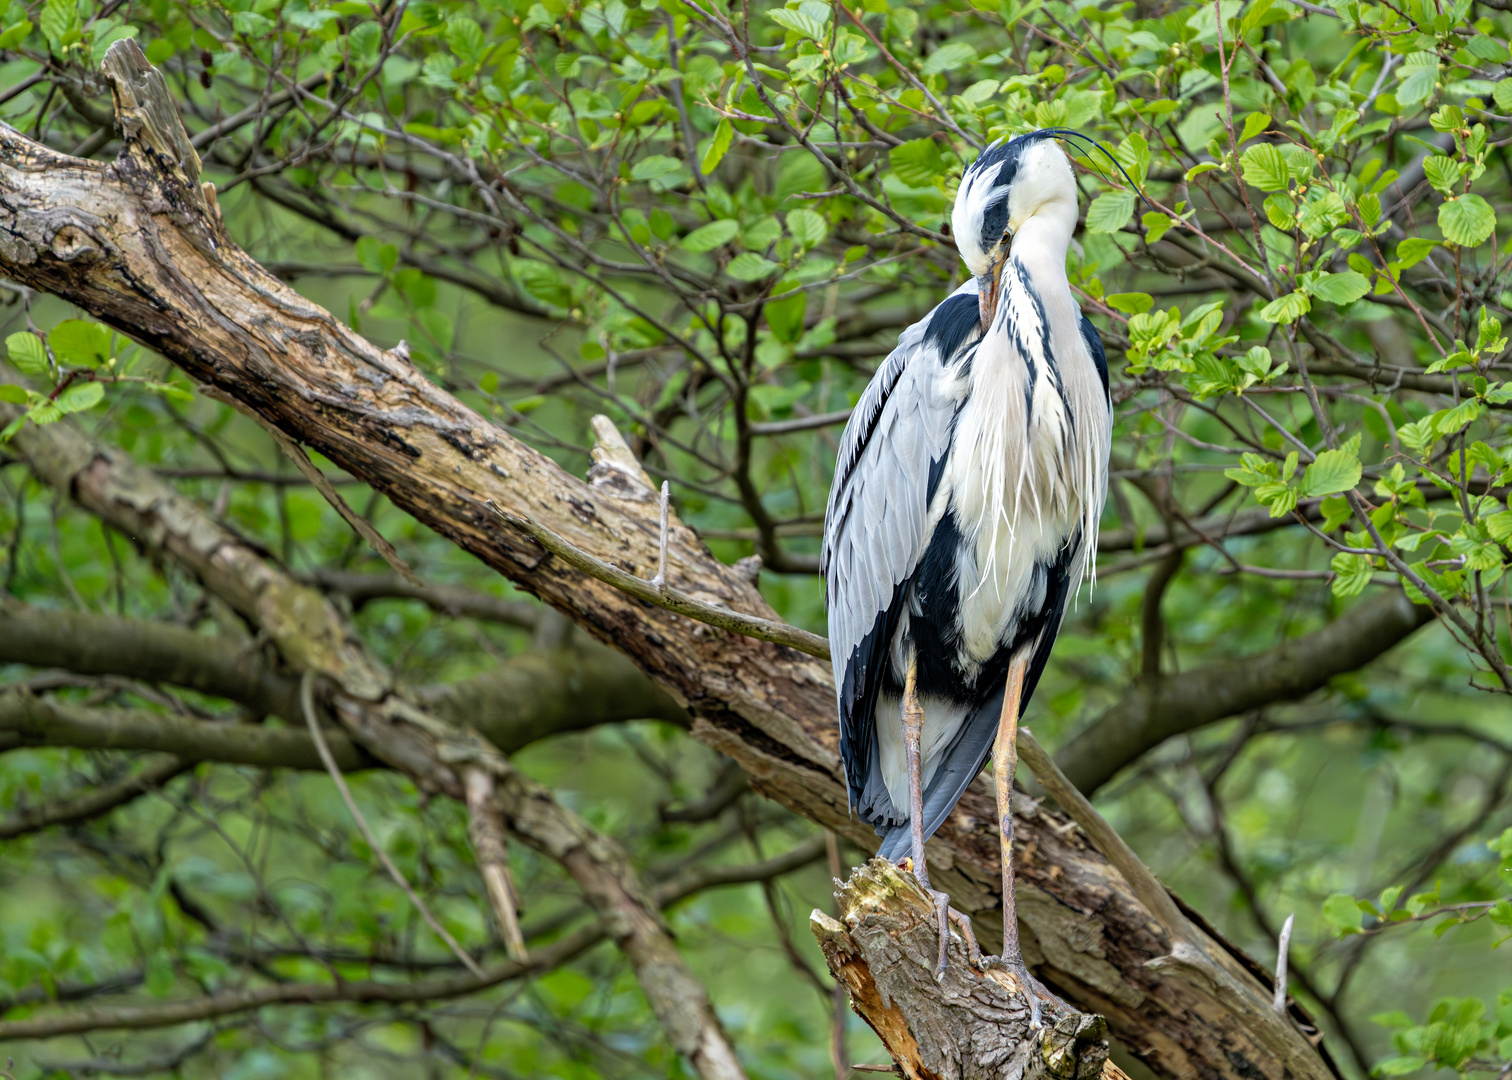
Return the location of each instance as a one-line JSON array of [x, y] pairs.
[[1027, 984], [962, 923]]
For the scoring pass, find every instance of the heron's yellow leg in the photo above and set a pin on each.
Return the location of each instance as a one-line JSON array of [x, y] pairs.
[[1004, 762], [913, 728]]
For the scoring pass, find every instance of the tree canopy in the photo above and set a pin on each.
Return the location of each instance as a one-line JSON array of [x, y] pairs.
[[249, 544]]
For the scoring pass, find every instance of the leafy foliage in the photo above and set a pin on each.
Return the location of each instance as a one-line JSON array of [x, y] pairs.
[[711, 224]]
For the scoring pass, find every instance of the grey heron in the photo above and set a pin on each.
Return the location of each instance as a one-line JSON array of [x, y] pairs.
[[963, 515]]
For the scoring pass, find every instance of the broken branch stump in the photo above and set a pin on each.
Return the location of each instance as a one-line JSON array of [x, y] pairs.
[[969, 1026]]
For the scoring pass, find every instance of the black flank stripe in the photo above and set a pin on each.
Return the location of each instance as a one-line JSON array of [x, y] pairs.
[[1055, 371]]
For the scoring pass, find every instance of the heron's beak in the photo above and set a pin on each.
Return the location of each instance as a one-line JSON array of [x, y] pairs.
[[987, 289]]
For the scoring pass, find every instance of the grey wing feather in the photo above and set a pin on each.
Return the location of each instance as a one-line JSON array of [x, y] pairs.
[[877, 526]]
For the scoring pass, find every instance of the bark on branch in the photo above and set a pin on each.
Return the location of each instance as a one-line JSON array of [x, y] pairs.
[[970, 1026], [136, 245], [522, 699]]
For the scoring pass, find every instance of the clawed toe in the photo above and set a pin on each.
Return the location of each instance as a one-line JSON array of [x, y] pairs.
[[1021, 976]]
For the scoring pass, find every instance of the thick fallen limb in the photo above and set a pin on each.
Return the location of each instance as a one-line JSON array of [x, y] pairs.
[[752, 626]]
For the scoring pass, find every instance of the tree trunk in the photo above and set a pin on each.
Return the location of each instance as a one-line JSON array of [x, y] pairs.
[[140, 245]]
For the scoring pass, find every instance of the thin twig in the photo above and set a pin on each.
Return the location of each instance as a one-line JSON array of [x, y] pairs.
[[660, 580], [307, 701], [486, 831], [362, 525], [681, 603], [1282, 944]]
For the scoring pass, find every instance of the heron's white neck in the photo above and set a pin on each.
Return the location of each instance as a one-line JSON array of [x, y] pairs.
[[1041, 241]]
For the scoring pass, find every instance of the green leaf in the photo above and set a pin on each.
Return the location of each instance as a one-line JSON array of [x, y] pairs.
[[464, 37], [80, 396], [749, 266], [1343, 913], [807, 227], [1280, 211], [1264, 167], [1467, 220], [724, 134], [1500, 526], [1110, 212], [1254, 124], [1443, 173], [59, 20], [710, 236], [1502, 94], [1286, 309], [1418, 77], [1488, 48], [251, 24], [17, 34], [1258, 363], [79, 344], [1352, 574], [1399, 1066], [26, 353], [917, 163], [18, 395], [655, 166], [785, 316], [1131, 303], [1343, 288], [948, 57], [1156, 225], [1336, 512], [1333, 471], [810, 19], [1414, 250]]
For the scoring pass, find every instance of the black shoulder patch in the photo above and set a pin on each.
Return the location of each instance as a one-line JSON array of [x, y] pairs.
[[952, 323], [1099, 355]]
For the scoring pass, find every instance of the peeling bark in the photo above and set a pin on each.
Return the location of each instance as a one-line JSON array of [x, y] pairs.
[[137, 244], [971, 1025]]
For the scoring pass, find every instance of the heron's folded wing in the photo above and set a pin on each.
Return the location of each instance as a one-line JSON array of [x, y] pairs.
[[877, 523]]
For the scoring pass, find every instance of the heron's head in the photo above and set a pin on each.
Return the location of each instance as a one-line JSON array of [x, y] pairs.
[[1011, 183]]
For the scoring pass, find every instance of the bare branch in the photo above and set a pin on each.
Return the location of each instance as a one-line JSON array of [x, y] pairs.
[[486, 831], [92, 803], [307, 700], [362, 526], [1159, 709]]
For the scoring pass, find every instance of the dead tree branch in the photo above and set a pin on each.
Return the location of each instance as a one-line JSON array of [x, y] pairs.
[[971, 1026]]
